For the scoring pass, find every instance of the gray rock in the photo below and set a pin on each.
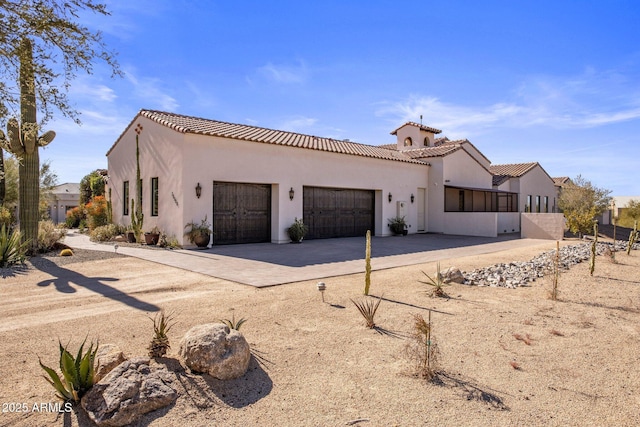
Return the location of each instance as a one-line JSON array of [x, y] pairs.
[[108, 357], [215, 349], [130, 390], [452, 274]]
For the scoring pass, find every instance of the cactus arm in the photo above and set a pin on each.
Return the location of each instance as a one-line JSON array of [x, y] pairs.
[[13, 135], [46, 138]]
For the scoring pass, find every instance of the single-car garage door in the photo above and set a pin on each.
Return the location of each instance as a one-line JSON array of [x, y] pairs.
[[338, 212], [241, 213]]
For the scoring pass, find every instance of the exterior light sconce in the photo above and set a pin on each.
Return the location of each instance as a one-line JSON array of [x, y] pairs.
[[412, 197], [390, 197], [198, 191], [291, 193]]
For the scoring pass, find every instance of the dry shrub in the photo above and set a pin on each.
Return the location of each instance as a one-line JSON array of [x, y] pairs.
[[368, 307], [421, 350]]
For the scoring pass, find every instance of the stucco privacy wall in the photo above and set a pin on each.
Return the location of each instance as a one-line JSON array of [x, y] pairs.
[[542, 226], [484, 224], [208, 159]]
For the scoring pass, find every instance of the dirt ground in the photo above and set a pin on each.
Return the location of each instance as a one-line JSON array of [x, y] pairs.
[[315, 364]]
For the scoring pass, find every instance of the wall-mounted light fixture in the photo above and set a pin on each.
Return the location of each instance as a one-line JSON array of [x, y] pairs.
[[291, 193], [198, 191], [390, 197], [412, 197]]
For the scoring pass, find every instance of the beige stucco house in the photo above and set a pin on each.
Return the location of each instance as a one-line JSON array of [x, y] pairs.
[[251, 183], [61, 199]]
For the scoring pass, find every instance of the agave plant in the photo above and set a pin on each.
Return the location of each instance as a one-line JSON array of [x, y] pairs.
[[12, 251], [77, 373], [437, 283], [232, 324], [368, 308], [159, 345]]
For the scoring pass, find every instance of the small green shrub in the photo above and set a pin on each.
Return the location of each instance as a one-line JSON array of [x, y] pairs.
[[12, 251], [368, 307], [66, 252], [49, 235], [297, 231], [77, 373], [104, 233]]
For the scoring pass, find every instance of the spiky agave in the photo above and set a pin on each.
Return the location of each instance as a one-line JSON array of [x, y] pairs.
[[159, 344], [77, 373]]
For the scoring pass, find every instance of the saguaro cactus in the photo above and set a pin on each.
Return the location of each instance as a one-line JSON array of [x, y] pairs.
[[137, 217], [23, 141]]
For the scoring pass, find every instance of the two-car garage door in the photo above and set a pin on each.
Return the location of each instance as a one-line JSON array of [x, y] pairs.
[[338, 212], [242, 212]]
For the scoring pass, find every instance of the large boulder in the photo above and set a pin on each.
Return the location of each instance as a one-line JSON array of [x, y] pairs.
[[108, 357], [130, 390], [217, 350], [452, 274]]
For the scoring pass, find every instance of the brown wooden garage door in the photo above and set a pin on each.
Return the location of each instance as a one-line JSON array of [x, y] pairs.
[[338, 212], [241, 213]]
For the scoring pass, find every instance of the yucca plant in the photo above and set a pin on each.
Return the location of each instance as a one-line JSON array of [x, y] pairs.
[[368, 307], [437, 283], [162, 324], [232, 324], [77, 373], [12, 251]]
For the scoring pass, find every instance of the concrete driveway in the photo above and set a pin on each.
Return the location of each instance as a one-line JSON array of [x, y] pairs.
[[268, 264]]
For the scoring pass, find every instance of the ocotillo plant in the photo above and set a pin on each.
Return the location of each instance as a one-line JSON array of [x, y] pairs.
[[632, 237], [367, 268], [592, 263], [23, 141]]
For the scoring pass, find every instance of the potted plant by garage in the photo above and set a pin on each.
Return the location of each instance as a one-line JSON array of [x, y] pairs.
[[151, 237], [297, 231], [199, 234], [398, 225]]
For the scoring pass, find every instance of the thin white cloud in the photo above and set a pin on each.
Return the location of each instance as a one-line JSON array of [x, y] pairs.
[[590, 100], [284, 74], [298, 124], [149, 92]]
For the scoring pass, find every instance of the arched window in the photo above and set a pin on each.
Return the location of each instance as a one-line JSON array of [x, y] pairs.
[[408, 142]]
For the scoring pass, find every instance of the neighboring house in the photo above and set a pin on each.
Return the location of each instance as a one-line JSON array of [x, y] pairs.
[[251, 183], [63, 198]]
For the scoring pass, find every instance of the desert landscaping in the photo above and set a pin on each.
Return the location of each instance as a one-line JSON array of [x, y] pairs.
[[505, 356]]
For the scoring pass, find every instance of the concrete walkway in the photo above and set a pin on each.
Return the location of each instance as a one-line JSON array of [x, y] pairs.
[[268, 264]]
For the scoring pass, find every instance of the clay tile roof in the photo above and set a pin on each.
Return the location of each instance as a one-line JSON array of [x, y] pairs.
[[561, 180], [196, 125], [499, 179], [426, 152], [418, 125], [513, 170]]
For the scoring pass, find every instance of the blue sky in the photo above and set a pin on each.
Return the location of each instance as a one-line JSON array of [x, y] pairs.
[[556, 82]]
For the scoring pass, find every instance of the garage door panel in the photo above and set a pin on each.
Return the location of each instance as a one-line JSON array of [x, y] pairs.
[[241, 213]]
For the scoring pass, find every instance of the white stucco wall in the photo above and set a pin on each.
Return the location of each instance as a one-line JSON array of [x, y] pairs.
[[537, 183], [508, 222], [161, 156], [220, 159]]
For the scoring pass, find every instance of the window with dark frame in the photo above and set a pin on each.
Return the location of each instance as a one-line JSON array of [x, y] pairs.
[[546, 204], [467, 200], [125, 196], [154, 196], [537, 204]]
